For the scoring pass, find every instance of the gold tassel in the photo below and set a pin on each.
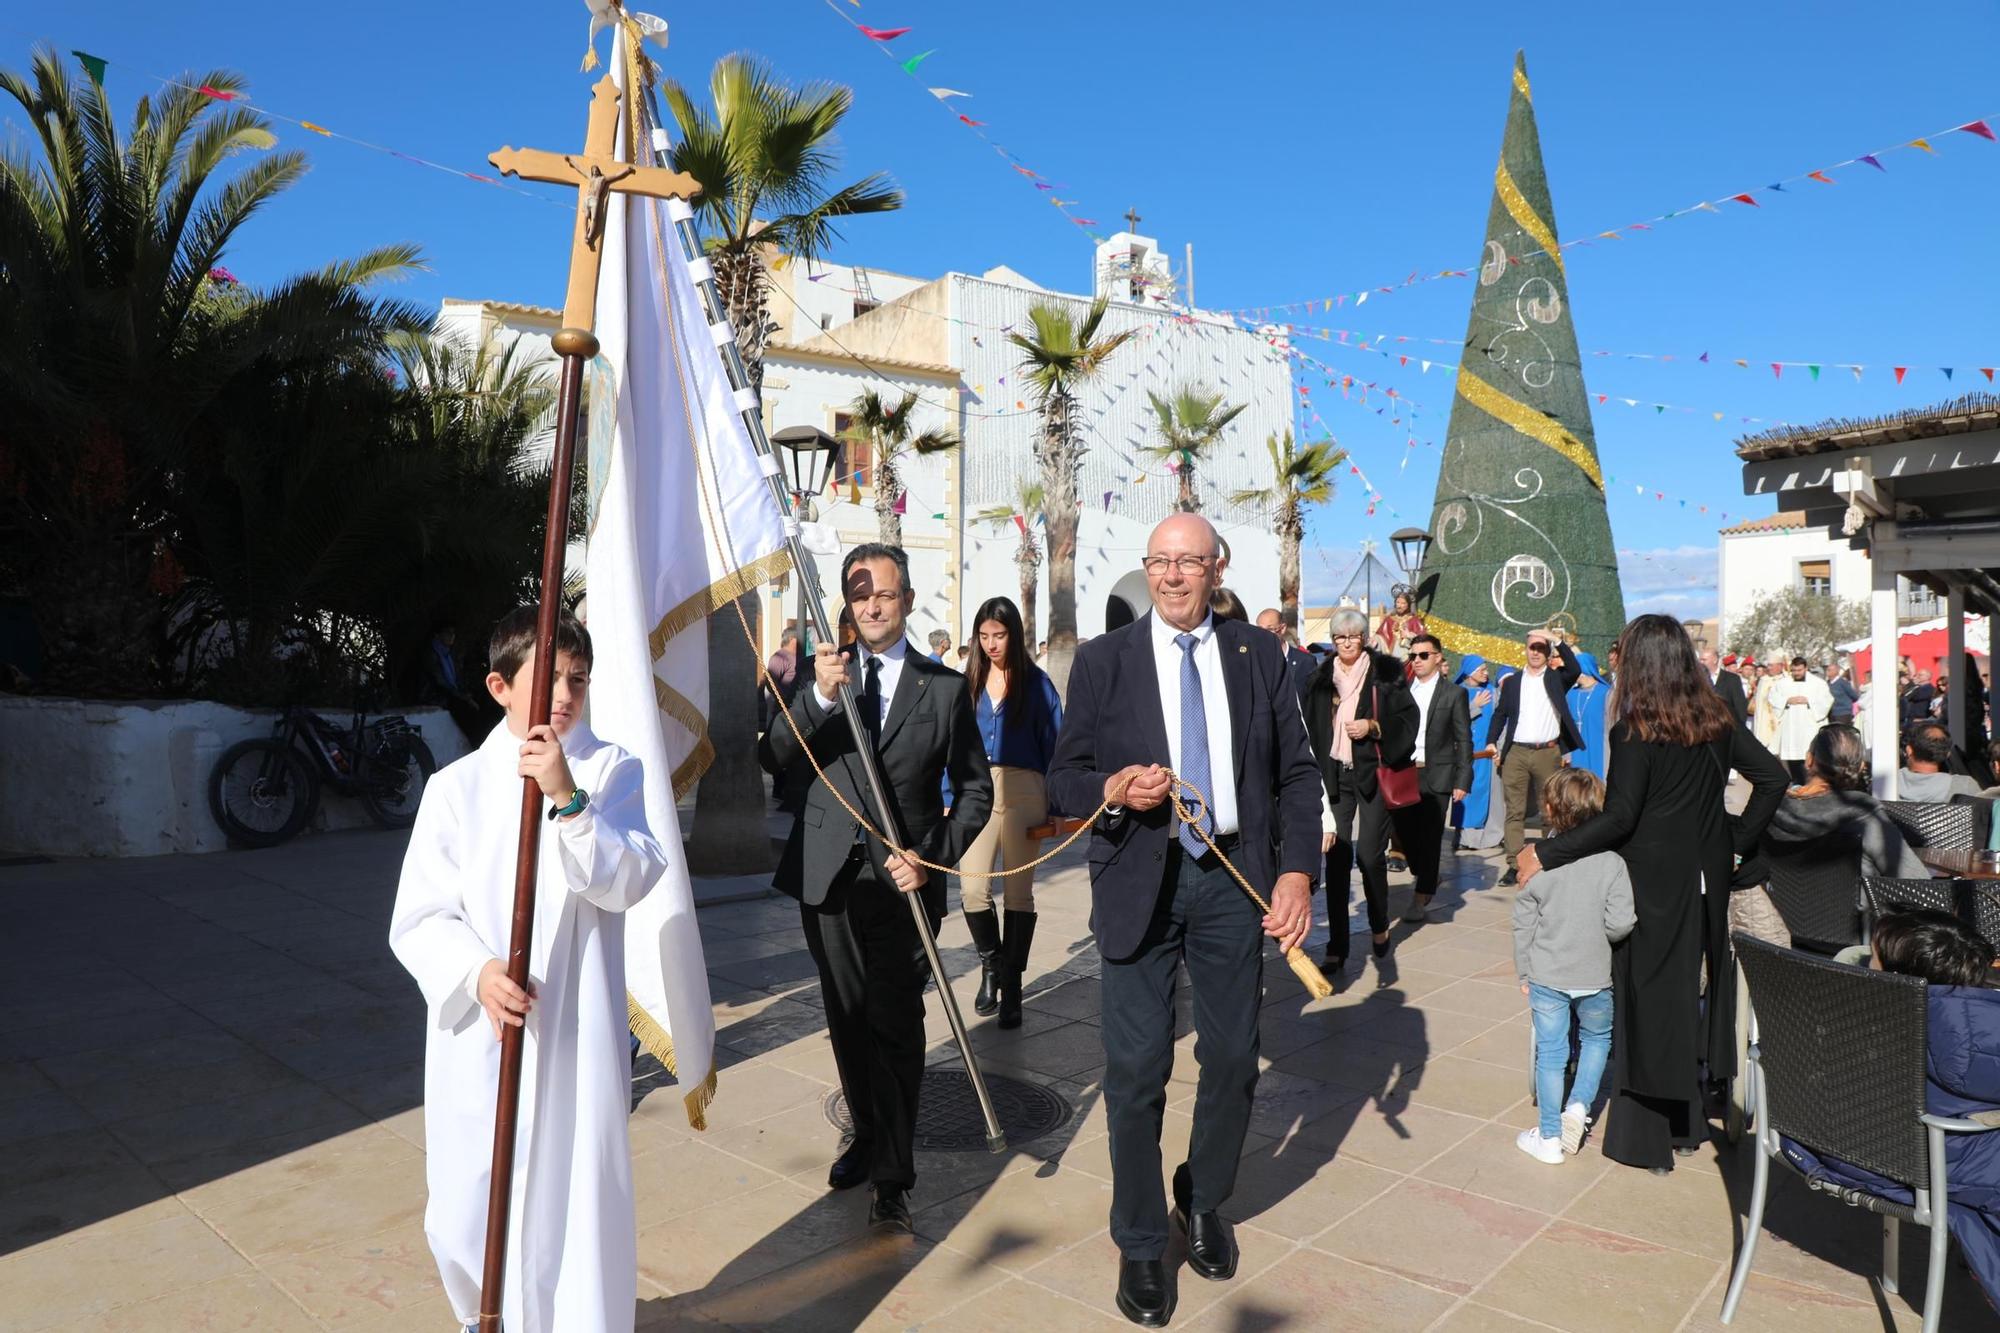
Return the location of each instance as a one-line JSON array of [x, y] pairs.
[[590, 58], [1308, 972], [652, 1037]]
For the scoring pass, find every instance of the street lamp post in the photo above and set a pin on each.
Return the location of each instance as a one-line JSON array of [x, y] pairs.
[[812, 457], [1411, 544]]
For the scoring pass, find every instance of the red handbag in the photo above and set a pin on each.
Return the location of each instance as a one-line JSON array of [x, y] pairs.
[[1398, 782]]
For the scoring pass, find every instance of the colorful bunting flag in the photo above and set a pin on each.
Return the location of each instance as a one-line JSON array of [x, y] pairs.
[[94, 66], [881, 34], [1744, 199], [910, 65], [970, 121], [1978, 127], [1900, 372]]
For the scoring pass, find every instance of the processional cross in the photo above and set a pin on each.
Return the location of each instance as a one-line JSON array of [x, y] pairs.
[[596, 174]]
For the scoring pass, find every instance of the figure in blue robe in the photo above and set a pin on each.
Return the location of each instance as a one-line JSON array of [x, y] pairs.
[[1473, 817], [1586, 709]]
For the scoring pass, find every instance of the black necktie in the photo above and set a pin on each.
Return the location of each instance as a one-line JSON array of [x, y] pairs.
[[871, 702]]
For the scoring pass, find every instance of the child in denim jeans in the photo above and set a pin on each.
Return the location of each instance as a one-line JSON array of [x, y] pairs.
[[1565, 922]]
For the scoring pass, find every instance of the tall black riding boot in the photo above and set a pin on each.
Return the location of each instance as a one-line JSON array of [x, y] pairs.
[[1020, 935], [985, 927]]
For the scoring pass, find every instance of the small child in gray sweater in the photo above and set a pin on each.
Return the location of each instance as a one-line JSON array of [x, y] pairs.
[[1565, 922]]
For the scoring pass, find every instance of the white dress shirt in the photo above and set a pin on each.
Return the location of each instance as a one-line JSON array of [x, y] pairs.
[[1167, 656], [1423, 691], [891, 672], [1536, 723]]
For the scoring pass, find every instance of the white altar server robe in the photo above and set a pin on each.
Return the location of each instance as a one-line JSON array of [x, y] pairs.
[[572, 1245]]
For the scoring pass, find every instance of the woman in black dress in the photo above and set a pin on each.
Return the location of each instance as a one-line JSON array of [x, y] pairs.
[[1672, 746]]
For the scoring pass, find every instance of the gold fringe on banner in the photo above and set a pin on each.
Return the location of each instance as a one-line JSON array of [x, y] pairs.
[[652, 1037]]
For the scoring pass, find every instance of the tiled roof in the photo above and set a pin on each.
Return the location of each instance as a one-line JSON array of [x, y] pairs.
[[1769, 523]]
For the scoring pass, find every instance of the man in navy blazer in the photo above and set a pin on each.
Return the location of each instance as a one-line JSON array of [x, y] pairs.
[[1212, 701]]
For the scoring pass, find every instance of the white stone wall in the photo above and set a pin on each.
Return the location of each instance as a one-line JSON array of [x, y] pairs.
[[131, 779], [1753, 565]]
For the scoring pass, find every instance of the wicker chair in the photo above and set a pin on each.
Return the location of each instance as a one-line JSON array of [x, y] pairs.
[[1813, 887], [1942, 825], [1975, 903], [1838, 1066]]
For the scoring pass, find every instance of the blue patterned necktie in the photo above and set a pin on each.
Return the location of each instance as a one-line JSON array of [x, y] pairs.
[[1194, 745]]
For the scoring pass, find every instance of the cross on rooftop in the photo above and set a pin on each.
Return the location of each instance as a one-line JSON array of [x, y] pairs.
[[1132, 218]]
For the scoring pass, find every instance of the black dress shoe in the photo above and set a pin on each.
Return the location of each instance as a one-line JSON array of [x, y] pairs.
[[891, 1209], [1211, 1249], [1511, 878], [1143, 1295], [851, 1167]]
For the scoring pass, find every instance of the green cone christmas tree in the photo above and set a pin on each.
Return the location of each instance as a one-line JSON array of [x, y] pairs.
[[1520, 536]]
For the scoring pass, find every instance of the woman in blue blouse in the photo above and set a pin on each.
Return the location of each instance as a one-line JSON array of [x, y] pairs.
[[1019, 714]]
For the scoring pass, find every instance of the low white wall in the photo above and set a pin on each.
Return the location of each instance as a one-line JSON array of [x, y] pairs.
[[82, 777]]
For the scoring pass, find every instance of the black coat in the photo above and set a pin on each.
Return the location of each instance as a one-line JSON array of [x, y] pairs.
[[1447, 740], [930, 731], [1114, 717], [1729, 685], [1398, 717], [1561, 673], [1664, 814]]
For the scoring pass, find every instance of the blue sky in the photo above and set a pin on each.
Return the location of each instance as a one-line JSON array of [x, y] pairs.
[[1304, 150]]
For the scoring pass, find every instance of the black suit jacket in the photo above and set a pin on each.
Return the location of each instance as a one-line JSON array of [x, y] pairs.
[[1114, 717], [1398, 717], [930, 731], [1302, 665], [1557, 678], [1447, 741], [1730, 686]]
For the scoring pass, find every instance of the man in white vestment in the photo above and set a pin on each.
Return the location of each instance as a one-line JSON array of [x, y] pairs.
[[1804, 701], [572, 1245]]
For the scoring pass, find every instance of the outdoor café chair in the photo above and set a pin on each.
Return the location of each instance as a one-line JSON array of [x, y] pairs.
[[1812, 885]]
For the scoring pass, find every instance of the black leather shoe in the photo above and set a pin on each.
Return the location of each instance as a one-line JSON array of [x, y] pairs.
[[851, 1167], [1143, 1294], [1511, 878], [1211, 1249], [891, 1209]]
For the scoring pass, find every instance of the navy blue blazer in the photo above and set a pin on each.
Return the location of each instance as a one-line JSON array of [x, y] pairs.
[[1113, 717]]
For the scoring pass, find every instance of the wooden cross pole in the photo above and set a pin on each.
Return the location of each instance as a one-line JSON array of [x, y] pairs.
[[596, 174]]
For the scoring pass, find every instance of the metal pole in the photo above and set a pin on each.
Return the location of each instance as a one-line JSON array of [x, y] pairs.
[[885, 814], [576, 346]]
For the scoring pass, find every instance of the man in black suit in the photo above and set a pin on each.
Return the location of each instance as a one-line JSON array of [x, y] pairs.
[[1211, 700], [917, 715], [1727, 684], [1444, 766], [1300, 663], [1531, 732]]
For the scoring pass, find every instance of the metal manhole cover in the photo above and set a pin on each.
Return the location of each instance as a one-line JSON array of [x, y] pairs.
[[948, 1117]]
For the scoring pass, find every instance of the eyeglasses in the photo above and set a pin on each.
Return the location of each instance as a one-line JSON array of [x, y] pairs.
[[1537, 646], [1190, 565], [1347, 638], [1423, 657]]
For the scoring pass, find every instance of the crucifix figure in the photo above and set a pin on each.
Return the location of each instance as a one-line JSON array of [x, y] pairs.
[[1132, 219], [596, 173]]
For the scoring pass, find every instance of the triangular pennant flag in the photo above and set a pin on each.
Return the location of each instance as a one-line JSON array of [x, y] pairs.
[[1900, 372], [1777, 370], [1022, 524], [902, 505], [94, 66], [1601, 398], [1744, 199], [321, 129], [942, 93], [1703, 358], [1814, 372], [1924, 144], [1987, 371], [1778, 187], [1857, 372], [1819, 176], [881, 34], [970, 121], [939, 515], [1741, 362], [910, 65], [207, 90], [1717, 415], [854, 489], [1946, 370], [1978, 127], [1107, 499], [1872, 161], [1659, 408]]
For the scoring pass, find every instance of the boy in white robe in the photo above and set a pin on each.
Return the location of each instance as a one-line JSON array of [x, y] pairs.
[[572, 1260]]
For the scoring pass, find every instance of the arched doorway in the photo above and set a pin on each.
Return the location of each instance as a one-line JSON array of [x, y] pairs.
[[1127, 601]]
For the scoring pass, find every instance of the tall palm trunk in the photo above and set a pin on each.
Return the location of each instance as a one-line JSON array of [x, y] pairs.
[[730, 834], [1188, 503], [1029, 561], [1290, 533], [1060, 515], [888, 490]]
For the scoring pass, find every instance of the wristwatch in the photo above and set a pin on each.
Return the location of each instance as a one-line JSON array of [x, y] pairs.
[[578, 800]]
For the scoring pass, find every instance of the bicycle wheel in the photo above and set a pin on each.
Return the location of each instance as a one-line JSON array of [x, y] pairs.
[[262, 792], [393, 786]]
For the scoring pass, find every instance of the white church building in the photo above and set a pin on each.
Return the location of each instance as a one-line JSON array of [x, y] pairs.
[[843, 329]]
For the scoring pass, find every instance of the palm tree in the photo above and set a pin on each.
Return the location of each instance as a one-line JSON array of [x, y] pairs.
[[884, 431], [1299, 477], [1063, 353], [1191, 422], [126, 349], [764, 153], [1027, 507]]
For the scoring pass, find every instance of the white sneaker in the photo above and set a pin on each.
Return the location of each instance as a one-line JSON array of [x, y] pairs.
[[1576, 1125], [1549, 1152]]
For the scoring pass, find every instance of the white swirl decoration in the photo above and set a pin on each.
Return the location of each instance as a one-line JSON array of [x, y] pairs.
[[1527, 587]]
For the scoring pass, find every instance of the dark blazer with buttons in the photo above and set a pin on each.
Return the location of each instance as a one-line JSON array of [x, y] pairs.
[[1113, 717], [1447, 741], [1557, 678], [1730, 686], [930, 731], [1397, 719]]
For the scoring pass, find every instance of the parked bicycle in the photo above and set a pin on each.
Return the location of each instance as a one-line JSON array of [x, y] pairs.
[[264, 790]]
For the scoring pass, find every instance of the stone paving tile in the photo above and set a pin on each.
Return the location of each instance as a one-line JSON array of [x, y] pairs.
[[1400, 1233], [1308, 1289], [357, 1282], [248, 1302], [1579, 1278], [92, 1272]]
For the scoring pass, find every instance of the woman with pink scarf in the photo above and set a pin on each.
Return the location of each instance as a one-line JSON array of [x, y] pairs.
[[1360, 716]]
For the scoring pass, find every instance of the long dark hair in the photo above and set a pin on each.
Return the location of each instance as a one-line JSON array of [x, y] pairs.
[[1003, 612], [1663, 694]]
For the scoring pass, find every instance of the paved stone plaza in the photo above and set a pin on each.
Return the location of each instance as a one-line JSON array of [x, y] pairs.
[[210, 1119]]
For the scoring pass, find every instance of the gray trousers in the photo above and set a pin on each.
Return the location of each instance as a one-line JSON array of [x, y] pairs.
[[1203, 919]]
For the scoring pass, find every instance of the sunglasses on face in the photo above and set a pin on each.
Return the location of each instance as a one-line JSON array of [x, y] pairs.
[[1422, 657]]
